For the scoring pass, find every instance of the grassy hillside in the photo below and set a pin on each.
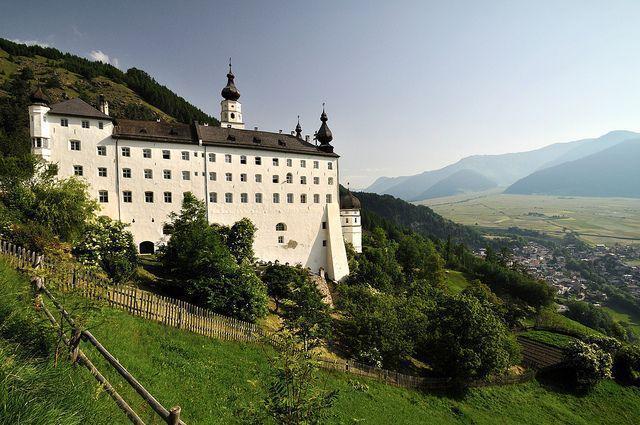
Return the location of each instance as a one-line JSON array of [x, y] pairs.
[[211, 378], [456, 281], [34, 387], [132, 94]]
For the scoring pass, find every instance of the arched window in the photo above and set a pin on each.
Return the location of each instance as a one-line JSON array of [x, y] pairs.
[[281, 227], [289, 178]]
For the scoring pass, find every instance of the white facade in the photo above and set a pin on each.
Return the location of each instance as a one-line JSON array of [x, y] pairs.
[[231, 115], [139, 178], [352, 228]]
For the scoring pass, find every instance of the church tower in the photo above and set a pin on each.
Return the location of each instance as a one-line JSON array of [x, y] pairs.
[[231, 114]]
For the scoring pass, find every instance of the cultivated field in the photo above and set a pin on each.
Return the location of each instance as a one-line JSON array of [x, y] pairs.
[[596, 220]]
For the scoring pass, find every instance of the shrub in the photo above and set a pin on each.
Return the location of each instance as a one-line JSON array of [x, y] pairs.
[[280, 279], [626, 365], [588, 363], [108, 245], [306, 314]]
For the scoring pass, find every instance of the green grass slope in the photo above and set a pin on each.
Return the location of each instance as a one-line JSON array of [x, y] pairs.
[[209, 379], [34, 387]]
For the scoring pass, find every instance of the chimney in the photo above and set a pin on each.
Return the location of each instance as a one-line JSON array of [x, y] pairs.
[[280, 131], [255, 128], [306, 138], [293, 133], [103, 105]]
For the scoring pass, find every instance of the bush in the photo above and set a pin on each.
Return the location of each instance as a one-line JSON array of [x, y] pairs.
[[306, 314], [588, 363], [108, 245], [280, 279], [626, 365]]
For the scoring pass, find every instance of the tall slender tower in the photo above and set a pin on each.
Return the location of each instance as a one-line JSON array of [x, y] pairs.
[[38, 124], [231, 114]]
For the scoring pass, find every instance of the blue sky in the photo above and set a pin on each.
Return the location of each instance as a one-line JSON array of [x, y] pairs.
[[409, 85]]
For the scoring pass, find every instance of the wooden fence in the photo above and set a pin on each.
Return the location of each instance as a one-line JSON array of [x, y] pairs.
[[24, 259], [182, 315], [539, 355]]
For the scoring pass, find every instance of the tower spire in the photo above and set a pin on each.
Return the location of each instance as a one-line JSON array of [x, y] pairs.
[[231, 114], [324, 135], [299, 129], [230, 91]]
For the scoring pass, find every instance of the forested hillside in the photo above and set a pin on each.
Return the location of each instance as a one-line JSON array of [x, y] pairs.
[[132, 93], [420, 219]]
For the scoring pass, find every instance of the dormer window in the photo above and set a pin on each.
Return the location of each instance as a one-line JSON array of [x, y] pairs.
[[173, 131], [257, 140], [282, 142], [231, 138], [143, 130]]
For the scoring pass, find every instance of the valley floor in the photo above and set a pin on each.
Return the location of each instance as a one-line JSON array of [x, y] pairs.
[[596, 220]]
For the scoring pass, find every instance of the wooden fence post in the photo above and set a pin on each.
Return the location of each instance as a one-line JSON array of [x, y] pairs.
[[74, 343], [174, 415]]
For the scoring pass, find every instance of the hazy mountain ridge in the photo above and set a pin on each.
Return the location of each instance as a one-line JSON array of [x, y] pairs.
[[459, 182], [503, 169], [613, 172]]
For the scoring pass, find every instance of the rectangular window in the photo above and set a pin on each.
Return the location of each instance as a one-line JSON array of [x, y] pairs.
[[85, 124], [185, 155], [328, 198], [330, 180], [227, 159], [275, 178], [258, 178], [212, 157], [186, 175], [316, 164], [100, 125], [303, 163], [280, 239], [103, 196], [213, 197], [324, 224], [146, 153], [166, 174], [77, 170], [102, 150], [316, 198], [243, 177], [126, 173], [243, 159], [303, 179], [303, 198], [64, 122], [148, 197], [102, 171], [148, 174], [213, 176], [324, 243], [276, 198], [258, 198], [330, 165], [127, 196], [228, 197], [289, 198], [258, 160], [74, 145], [289, 162], [276, 162], [126, 151], [166, 154], [168, 197], [244, 198], [228, 177], [316, 180]]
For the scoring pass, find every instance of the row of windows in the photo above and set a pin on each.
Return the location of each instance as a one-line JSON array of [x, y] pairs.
[[78, 170], [74, 145], [64, 122], [149, 197]]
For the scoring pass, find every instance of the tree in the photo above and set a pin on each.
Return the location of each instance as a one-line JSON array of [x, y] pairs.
[[626, 365], [108, 245], [588, 363], [594, 317], [204, 268], [240, 240], [280, 279], [420, 260], [293, 396], [467, 339], [306, 314]]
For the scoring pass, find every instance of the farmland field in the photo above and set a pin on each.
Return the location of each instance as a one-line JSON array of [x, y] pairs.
[[596, 220]]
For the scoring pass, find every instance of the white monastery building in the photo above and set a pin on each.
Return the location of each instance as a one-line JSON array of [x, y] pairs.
[[139, 171]]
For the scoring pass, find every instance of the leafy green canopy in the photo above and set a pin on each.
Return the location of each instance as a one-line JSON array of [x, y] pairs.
[[204, 268]]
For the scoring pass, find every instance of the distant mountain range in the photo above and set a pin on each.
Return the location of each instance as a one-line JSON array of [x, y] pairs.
[[481, 172], [612, 172]]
